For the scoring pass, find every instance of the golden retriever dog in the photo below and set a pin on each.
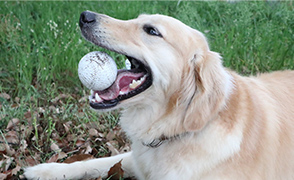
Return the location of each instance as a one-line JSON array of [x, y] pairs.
[[187, 116]]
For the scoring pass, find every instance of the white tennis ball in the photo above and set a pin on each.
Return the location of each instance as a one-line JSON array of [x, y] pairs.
[[97, 70]]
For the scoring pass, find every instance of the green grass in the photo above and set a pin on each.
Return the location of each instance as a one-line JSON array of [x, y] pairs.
[[41, 45]]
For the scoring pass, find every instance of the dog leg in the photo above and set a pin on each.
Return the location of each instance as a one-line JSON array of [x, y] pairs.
[[81, 169]]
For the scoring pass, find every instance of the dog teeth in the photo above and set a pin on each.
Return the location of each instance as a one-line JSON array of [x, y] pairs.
[[92, 99], [128, 64], [97, 98], [142, 79], [135, 83]]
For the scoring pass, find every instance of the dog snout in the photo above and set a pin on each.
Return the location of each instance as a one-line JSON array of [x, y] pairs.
[[87, 17]]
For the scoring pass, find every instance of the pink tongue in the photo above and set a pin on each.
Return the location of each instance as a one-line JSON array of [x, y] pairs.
[[123, 79], [111, 93]]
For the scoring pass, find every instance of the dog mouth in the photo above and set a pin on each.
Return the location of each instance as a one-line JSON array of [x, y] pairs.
[[129, 83]]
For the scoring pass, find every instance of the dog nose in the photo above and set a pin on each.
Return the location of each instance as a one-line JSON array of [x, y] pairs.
[[87, 17]]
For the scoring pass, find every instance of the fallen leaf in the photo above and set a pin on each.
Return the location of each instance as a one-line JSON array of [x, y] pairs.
[[80, 142], [5, 96], [79, 157], [93, 132], [70, 137], [56, 157], [55, 147], [111, 135], [30, 161], [116, 172], [6, 162], [112, 149], [66, 127], [9, 174], [59, 97], [17, 99], [13, 122], [28, 115], [26, 130], [88, 149], [94, 152], [14, 105], [61, 155], [3, 176], [9, 151], [83, 99], [15, 170], [24, 145], [53, 158], [52, 108], [11, 137], [41, 110]]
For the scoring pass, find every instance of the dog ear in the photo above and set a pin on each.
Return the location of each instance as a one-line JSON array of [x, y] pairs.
[[211, 85]]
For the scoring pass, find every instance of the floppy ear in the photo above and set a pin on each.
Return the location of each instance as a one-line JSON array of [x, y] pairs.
[[212, 85]]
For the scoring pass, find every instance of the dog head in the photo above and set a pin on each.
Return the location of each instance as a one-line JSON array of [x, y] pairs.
[[172, 67]]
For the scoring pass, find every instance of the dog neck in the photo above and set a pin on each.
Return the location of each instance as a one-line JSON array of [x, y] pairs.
[[155, 143]]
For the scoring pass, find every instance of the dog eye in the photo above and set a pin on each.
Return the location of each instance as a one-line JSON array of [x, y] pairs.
[[151, 30]]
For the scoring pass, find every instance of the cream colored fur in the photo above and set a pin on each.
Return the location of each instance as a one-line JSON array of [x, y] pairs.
[[230, 127]]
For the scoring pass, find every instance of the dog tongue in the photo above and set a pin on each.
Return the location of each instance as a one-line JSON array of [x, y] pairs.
[[121, 85]]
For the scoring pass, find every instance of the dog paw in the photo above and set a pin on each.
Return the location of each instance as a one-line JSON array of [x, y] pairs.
[[48, 171]]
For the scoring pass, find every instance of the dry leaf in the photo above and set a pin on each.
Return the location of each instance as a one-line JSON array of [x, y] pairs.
[[3, 176], [26, 130], [28, 115], [11, 137], [93, 132], [52, 108], [116, 172], [9, 173], [5, 96], [9, 151], [61, 155], [59, 97], [56, 157], [88, 149], [24, 145], [30, 161], [80, 142], [112, 149], [41, 110], [83, 99], [111, 135], [80, 157], [53, 158], [15, 170], [6, 162], [12, 122], [17, 99], [54, 147], [66, 127]]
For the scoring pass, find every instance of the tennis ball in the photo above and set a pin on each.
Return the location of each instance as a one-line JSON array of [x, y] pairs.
[[97, 70]]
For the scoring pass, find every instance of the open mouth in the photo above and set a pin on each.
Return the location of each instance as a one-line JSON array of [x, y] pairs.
[[129, 82]]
